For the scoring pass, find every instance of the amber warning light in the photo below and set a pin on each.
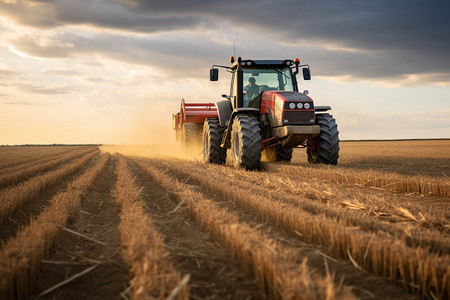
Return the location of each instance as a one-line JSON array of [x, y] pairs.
[[232, 59], [297, 61]]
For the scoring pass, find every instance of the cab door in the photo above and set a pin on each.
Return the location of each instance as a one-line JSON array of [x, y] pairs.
[[233, 92]]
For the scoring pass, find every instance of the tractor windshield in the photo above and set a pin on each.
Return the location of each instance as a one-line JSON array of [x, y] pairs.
[[257, 81]]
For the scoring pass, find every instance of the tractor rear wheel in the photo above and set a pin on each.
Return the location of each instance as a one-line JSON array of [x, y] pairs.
[[212, 138], [191, 135], [246, 142], [326, 145], [284, 154]]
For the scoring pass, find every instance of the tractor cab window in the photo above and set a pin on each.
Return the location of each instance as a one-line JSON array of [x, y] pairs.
[[257, 81]]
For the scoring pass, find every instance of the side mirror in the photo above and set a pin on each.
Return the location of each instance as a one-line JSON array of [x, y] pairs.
[[213, 74], [306, 74], [224, 96]]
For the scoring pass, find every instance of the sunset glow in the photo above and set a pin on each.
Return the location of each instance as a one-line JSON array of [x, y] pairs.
[[115, 71]]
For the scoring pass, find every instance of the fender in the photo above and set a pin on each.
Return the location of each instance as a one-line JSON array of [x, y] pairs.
[[322, 108], [226, 140], [224, 110]]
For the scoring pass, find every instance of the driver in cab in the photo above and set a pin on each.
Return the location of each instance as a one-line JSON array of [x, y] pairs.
[[252, 90]]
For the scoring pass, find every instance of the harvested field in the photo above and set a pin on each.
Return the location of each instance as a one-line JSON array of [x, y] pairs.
[[80, 223]]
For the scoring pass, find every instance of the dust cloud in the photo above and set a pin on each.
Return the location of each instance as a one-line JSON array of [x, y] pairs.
[[147, 131], [172, 150]]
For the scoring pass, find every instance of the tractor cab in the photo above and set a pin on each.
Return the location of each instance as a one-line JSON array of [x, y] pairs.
[[257, 81], [250, 78]]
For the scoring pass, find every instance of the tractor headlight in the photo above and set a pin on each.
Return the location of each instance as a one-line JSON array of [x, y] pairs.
[[299, 105], [307, 106], [291, 105]]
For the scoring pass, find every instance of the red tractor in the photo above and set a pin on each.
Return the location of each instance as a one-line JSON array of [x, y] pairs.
[[264, 112]]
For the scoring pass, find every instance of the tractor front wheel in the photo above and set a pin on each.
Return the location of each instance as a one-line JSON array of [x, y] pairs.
[[246, 142], [212, 138], [324, 149]]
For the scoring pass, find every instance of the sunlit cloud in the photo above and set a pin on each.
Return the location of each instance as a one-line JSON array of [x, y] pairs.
[[20, 53], [17, 103], [5, 74], [61, 72], [46, 90], [100, 61]]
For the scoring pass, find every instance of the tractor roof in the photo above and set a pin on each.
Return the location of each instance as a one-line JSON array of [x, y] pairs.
[[267, 63]]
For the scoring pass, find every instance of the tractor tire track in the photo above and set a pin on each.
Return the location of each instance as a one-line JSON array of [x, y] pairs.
[[22, 216], [98, 218], [363, 285], [297, 192], [213, 274]]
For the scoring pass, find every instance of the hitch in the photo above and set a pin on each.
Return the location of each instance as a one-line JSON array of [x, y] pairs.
[[311, 144], [269, 143]]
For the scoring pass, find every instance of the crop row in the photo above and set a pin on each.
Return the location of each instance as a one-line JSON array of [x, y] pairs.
[[16, 196], [389, 181], [416, 268], [143, 249], [315, 199], [380, 151], [21, 156], [21, 256], [32, 161], [275, 267], [14, 177]]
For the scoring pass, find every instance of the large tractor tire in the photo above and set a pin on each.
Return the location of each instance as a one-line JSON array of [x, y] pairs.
[[284, 154], [191, 135], [327, 143], [212, 138], [246, 142]]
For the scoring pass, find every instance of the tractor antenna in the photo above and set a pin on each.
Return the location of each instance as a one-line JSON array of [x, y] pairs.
[[234, 48]]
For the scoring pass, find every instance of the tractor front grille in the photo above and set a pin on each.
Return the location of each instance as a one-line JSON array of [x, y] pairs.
[[298, 117]]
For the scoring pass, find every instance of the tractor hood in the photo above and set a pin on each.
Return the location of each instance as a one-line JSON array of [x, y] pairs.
[[293, 96], [287, 108]]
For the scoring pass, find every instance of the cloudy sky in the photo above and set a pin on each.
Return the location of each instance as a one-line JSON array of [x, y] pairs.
[[113, 71]]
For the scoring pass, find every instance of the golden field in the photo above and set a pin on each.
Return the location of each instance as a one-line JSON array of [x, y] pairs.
[[151, 222]]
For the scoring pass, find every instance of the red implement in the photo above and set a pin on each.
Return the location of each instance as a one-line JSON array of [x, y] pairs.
[[193, 113]]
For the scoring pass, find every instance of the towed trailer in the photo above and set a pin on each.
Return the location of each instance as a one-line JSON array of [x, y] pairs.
[[188, 122]]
